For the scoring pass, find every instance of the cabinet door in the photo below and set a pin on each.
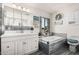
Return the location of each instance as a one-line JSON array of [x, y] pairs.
[[19, 47], [7, 48], [25, 47], [29, 46], [22, 47], [34, 45]]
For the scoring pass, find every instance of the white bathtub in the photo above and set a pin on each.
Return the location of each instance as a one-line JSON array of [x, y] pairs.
[[51, 44], [51, 39]]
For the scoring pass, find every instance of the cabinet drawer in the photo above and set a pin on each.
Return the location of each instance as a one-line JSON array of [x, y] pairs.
[[7, 48]]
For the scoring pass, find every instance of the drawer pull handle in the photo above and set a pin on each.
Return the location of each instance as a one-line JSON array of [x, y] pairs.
[[7, 46], [35, 46], [24, 42], [35, 40]]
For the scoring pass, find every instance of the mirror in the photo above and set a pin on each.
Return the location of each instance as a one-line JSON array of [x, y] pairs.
[[16, 20]]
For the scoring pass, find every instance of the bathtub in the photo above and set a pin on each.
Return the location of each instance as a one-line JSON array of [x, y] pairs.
[[50, 44]]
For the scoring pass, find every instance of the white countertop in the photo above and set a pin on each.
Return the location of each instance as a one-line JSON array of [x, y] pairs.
[[12, 34]]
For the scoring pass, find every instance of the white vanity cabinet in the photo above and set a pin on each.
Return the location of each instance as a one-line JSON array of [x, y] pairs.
[[19, 45]]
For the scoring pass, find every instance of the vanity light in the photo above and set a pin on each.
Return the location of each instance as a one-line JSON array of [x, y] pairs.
[[27, 10], [14, 6], [24, 9], [19, 7]]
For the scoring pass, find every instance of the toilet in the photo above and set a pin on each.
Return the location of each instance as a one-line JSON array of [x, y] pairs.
[[73, 41]]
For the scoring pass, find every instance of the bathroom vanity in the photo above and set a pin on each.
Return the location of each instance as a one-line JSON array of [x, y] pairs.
[[18, 37], [19, 43]]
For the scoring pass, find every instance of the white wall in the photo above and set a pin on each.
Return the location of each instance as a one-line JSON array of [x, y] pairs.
[[34, 11], [70, 13]]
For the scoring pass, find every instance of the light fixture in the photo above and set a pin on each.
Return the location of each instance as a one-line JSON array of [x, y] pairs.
[[19, 7], [27, 10], [14, 6], [24, 9]]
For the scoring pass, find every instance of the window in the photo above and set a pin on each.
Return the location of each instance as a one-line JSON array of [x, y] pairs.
[[44, 25]]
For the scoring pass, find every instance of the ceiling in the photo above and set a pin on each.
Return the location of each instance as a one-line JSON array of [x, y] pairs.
[[50, 7]]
